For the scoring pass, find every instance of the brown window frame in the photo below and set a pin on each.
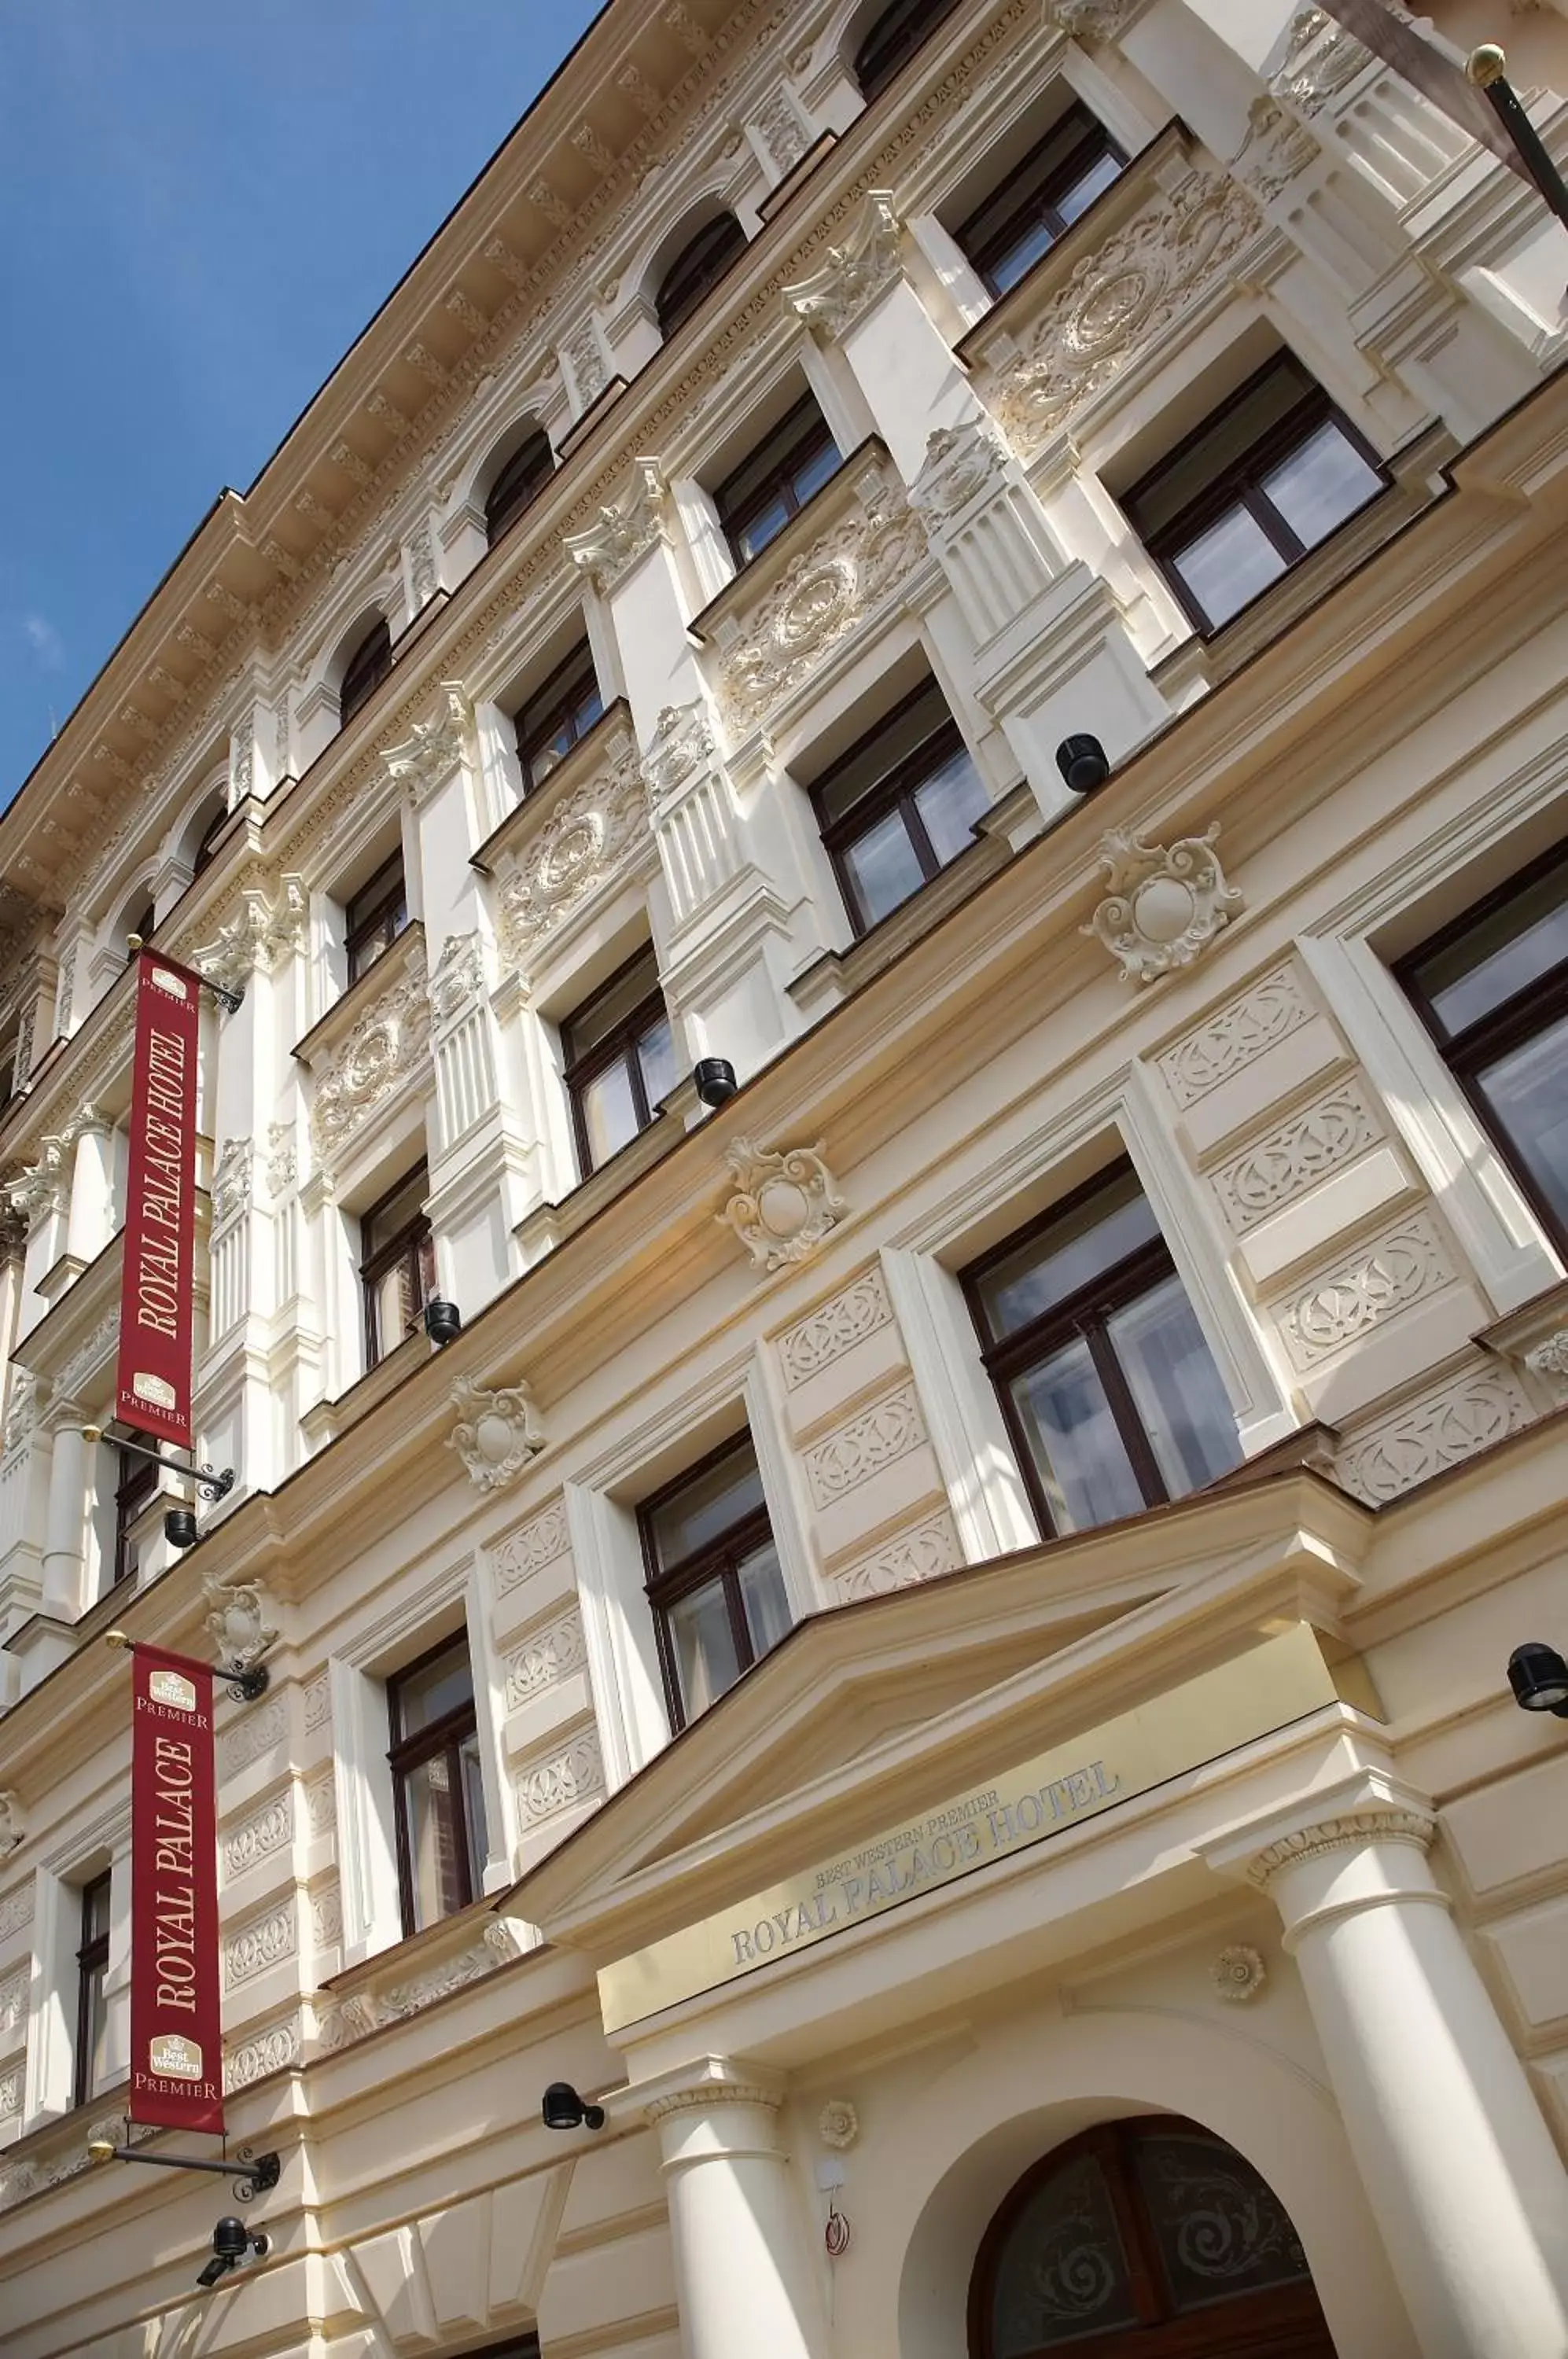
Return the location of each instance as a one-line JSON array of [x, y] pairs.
[[405, 1754], [719, 1559], [1536, 1005], [92, 1971], [802, 435], [1287, 2321], [374, 915], [207, 842], [518, 485], [697, 269], [894, 791], [134, 1493], [1234, 487], [885, 51], [619, 1045], [561, 701], [1021, 207], [413, 1246], [366, 667], [1081, 1316]]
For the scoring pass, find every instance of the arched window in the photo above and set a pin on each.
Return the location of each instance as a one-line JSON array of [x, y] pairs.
[[1144, 2239], [144, 922], [207, 842], [892, 41], [364, 670], [518, 485], [699, 267]]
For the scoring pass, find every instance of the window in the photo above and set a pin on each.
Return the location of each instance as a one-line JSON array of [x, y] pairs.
[[364, 670], [397, 1274], [91, 2005], [1041, 197], [758, 500], [620, 1061], [552, 720], [135, 1490], [207, 842], [900, 806], [438, 1791], [374, 916], [1146, 2238], [1271, 474], [696, 270], [10, 1051], [718, 1596], [518, 485], [894, 38], [145, 923], [1493, 991], [1108, 1388]]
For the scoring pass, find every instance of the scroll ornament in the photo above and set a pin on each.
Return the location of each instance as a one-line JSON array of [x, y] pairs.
[[496, 1433], [786, 1203], [1165, 906]]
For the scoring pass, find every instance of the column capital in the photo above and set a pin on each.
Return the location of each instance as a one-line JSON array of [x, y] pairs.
[[699, 2087], [1370, 1805]]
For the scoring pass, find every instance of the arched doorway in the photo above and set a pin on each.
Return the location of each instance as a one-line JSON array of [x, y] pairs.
[[1144, 2238]]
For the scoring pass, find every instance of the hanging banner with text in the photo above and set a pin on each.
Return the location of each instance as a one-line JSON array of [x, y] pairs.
[[152, 1387], [177, 2051]]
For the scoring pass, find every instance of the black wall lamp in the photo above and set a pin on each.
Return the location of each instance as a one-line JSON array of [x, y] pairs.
[[443, 1321], [1538, 1678], [715, 1079], [232, 2240], [180, 1528], [1082, 762], [564, 2109]]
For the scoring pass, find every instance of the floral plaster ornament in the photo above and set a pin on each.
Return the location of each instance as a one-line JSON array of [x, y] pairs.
[[1240, 1972], [838, 2123], [496, 1432], [786, 1202], [1164, 906]]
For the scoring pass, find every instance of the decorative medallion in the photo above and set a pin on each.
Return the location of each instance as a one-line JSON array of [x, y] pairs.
[[786, 1204], [1238, 1973], [496, 1432], [1164, 907]]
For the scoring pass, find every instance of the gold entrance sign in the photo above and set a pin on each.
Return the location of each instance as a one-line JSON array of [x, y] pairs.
[[1273, 1684]]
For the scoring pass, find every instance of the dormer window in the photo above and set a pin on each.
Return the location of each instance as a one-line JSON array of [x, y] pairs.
[[366, 669], [518, 485], [697, 270]]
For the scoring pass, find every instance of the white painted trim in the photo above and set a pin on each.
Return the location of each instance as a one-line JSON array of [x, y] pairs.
[[617, 1628], [781, 1475], [984, 1489], [367, 1819], [501, 1832], [1472, 1187]]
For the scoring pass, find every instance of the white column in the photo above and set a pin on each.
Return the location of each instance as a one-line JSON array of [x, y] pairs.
[[1460, 2170], [65, 1529], [741, 2276], [91, 1223]]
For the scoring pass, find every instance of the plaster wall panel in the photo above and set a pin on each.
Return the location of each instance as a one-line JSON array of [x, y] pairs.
[[1533, 1950], [1511, 1829]]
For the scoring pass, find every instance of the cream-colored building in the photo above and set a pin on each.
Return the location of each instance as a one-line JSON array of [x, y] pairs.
[[932, 1658]]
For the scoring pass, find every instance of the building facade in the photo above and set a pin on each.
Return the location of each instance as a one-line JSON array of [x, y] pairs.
[[995, 567]]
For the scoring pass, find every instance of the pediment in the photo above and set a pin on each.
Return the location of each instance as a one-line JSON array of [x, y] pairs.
[[872, 1710]]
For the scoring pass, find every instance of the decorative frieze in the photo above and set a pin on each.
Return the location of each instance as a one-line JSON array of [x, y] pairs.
[[919, 1554], [256, 1731], [783, 134], [268, 1830], [1398, 1268], [272, 2050], [231, 1187], [317, 1704], [15, 1911], [585, 359], [825, 1334], [874, 1438], [253, 1950], [1320, 59], [457, 982], [321, 1806], [545, 1657], [364, 2011], [1165, 906], [14, 2007], [574, 1775], [585, 846], [1276, 148], [22, 1405], [827, 591], [786, 1202], [1440, 1428], [1265, 1014], [496, 1433], [427, 758], [1296, 1155], [387, 1045], [1121, 297], [682, 741], [12, 2084], [851, 276], [282, 1158], [326, 1917], [961, 463], [1386, 1824], [543, 1540]]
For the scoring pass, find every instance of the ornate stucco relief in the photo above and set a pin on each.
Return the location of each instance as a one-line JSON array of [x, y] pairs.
[[496, 1432], [1268, 1011], [1165, 904], [586, 845], [824, 1335], [387, 1045], [785, 1203]]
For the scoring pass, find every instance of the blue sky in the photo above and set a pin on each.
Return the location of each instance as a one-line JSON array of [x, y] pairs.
[[204, 200]]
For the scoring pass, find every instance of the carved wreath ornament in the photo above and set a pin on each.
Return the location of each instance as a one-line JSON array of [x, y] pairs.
[[785, 1204], [1164, 906]]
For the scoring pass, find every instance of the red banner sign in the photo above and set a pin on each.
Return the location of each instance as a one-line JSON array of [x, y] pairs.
[[153, 1385], [177, 2047]]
